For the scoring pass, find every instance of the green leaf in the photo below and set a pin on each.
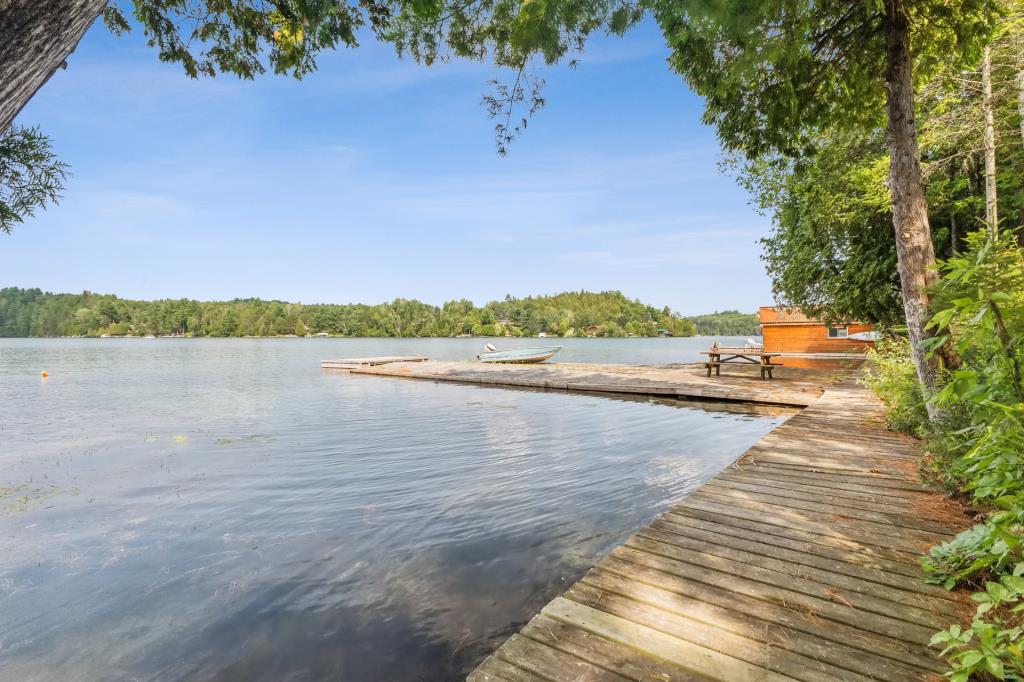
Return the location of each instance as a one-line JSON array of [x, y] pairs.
[[1013, 582], [941, 319], [997, 592], [971, 658], [995, 666], [620, 20]]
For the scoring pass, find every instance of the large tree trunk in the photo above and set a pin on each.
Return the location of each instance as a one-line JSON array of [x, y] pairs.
[[1020, 110], [36, 36], [991, 198], [914, 250], [1020, 101], [1020, 80], [1020, 115]]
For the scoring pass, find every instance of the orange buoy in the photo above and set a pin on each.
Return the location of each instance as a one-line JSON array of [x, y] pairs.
[[44, 374]]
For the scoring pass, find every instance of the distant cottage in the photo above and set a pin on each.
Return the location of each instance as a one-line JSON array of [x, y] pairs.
[[787, 330]]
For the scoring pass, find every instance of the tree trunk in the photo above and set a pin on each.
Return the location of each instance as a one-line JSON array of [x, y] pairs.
[[991, 198], [36, 37], [1020, 101], [1020, 115], [914, 250], [1020, 82]]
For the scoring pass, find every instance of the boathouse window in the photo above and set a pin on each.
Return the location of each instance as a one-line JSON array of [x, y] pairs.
[[838, 332]]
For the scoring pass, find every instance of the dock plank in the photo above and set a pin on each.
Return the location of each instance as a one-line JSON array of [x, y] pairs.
[[496, 670], [659, 644], [852, 564], [356, 363], [681, 381], [799, 562], [781, 660], [552, 664], [611, 655], [829, 604], [771, 624], [861, 511], [804, 574], [894, 560]]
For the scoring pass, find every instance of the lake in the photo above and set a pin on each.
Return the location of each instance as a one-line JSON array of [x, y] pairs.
[[222, 509]]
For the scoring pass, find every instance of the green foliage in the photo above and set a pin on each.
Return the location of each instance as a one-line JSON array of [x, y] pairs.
[[993, 643], [727, 323], [30, 175], [509, 32], [832, 251], [243, 38], [512, 34], [890, 373], [979, 307], [775, 73], [986, 547], [31, 312]]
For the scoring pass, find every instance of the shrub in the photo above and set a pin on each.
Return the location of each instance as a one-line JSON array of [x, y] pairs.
[[979, 445], [890, 373]]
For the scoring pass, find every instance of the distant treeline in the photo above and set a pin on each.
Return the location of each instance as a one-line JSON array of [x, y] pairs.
[[32, 312], [727, 323]]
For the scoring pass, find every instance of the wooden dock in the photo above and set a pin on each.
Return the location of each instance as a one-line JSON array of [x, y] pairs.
[[356, 363], [800, 562], [797, 388]]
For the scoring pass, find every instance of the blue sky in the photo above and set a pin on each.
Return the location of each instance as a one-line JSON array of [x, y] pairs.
[[377, 178]]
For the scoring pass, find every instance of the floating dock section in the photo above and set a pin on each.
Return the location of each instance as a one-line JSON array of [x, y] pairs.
[[357, 363], [800, 562], [797, 388]]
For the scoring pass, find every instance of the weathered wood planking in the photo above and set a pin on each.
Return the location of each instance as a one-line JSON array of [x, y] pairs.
[[798, 389], [354, 363], [797, 563]]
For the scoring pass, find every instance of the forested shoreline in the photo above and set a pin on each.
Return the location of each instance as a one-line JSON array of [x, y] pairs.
[[35, 313], [884, 140]]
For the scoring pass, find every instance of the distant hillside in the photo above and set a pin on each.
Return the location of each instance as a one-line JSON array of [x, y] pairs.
[[727, 323], [32, 312]]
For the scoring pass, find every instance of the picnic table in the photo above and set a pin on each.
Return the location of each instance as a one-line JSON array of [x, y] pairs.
[[721, 355]]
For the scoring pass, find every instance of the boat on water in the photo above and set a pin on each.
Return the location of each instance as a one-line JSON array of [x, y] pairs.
[[520, 356]]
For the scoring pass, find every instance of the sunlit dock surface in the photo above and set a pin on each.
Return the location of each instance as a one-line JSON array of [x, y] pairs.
[[800, 562], [792, 387], [355, 363]]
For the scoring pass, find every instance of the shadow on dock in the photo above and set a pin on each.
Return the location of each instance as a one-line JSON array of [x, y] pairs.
[[799, 562]]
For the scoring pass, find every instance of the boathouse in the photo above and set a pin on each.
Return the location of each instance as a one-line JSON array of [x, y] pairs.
[[787, 330]]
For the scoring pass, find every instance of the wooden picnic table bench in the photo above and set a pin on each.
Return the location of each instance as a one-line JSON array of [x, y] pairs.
[[740, 356]]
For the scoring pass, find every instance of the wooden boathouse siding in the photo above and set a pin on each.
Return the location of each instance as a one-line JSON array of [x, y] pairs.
[[787, 330], [800, 562]]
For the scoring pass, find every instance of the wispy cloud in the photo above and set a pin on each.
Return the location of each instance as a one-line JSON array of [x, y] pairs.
[[376, 178]]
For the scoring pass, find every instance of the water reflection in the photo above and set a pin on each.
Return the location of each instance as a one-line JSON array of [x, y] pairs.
[[226, 511]]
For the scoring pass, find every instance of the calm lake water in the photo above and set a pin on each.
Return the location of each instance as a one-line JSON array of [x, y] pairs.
[[225, 510]]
